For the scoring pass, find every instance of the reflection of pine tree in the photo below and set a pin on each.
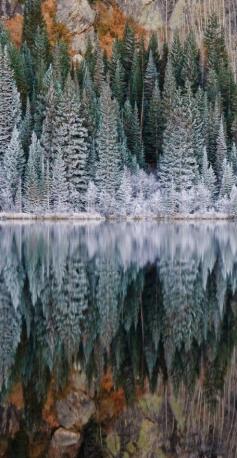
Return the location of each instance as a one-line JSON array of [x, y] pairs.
[[107, 296], [70, 303], [10, 331], [182, 313]]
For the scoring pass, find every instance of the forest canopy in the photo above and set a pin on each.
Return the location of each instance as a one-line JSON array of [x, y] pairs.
[[151, 130]]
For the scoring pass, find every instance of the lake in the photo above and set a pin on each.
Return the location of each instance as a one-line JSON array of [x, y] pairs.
[[118, 339]]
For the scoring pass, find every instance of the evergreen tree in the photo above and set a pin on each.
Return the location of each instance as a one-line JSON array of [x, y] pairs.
[[118, 85], [190, 69], [109, 160], [99, 73], [233, 158], [26, 127], [169, 90], [178, 161], [136, 81], [59, 195], [208, 175], [153, 127], [70, 135], [13, 166], [33, 19], [221, 151], [128, 48], [10, 110], [228, 179], [133, 132], [91, 197], [177, 58], [33, 177], [150, 78], [61, 62], [154, 49]]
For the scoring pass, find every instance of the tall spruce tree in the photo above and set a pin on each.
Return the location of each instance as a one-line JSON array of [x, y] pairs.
[[13, 166], [178, 160], [109, 159], [10, 107], [221, 151], [70, 135], [153, 128], [177, 58]]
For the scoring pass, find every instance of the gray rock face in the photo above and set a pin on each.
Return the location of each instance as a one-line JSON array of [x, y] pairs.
[[9, 7], [79, 18], [149, 13], [75, 411]]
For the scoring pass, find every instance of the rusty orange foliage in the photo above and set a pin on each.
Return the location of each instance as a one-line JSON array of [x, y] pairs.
[[48, 413], [56, 31], [110, 24], [111, 402], [15, 27]]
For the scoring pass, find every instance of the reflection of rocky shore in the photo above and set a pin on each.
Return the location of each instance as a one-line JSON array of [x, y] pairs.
[[118, 340], [81, 423]]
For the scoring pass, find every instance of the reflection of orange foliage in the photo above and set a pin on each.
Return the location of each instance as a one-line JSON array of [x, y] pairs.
[[111, 402], [48, 414], [16, 396], [15, 26], [110, 24]]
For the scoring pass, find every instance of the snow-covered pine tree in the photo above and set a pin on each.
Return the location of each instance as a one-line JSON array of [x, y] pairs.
[[70, 135], [233, 158], [133, 132], [221, 152], [109, 157], [203, 199], [50, 121], [91, 197], [60, 194], [228, 179], [197, 123], [26, 127], [214, 120], [208, 175], [12, 170], [178, 160], [10, 107], [33, 177], [124, 194], [153, 127]]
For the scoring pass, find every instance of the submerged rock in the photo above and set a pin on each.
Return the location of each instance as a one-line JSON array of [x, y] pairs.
[[75, 411], [64, 443]]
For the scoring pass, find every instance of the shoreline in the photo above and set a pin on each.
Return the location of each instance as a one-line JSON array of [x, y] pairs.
[[90, 217]]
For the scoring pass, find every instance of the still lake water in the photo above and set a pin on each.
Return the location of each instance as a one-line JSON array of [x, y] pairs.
[[154, 304]]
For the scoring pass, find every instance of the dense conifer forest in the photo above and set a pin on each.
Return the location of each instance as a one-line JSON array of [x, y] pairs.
[[149, 130]]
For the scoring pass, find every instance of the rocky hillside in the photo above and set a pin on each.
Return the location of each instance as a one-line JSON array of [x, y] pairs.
[[80, 19]]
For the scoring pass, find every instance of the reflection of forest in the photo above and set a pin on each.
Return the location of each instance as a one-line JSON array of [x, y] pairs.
[[153, 303]]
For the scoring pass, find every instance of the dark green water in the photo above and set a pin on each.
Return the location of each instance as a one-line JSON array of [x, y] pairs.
[[147, 300]]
